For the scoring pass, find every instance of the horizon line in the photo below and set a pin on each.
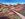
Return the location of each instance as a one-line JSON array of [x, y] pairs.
[[14, 3]]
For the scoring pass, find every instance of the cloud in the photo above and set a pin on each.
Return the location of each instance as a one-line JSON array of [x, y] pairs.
[[9, 3]]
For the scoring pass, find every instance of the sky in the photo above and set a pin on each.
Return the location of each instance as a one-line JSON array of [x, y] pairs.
[[12, 1]]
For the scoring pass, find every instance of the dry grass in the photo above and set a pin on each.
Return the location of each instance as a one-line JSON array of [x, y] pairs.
[[14, 16]]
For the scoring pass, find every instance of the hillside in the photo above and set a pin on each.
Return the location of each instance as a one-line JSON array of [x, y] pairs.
[[6, 10]]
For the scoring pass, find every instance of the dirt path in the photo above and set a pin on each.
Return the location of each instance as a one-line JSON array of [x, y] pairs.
[[19, 14]]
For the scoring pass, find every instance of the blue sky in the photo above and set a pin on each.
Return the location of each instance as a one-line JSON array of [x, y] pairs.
[[12, 1]]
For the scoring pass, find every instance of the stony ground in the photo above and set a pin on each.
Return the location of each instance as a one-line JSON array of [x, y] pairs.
[[6, 10]]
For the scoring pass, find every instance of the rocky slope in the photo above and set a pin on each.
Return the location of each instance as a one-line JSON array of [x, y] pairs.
[[6, 10]]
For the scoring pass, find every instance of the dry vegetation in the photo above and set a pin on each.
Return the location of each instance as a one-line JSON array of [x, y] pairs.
[[6, 10]]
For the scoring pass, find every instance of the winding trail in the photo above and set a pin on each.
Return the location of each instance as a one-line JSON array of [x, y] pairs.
[[23, 17]]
